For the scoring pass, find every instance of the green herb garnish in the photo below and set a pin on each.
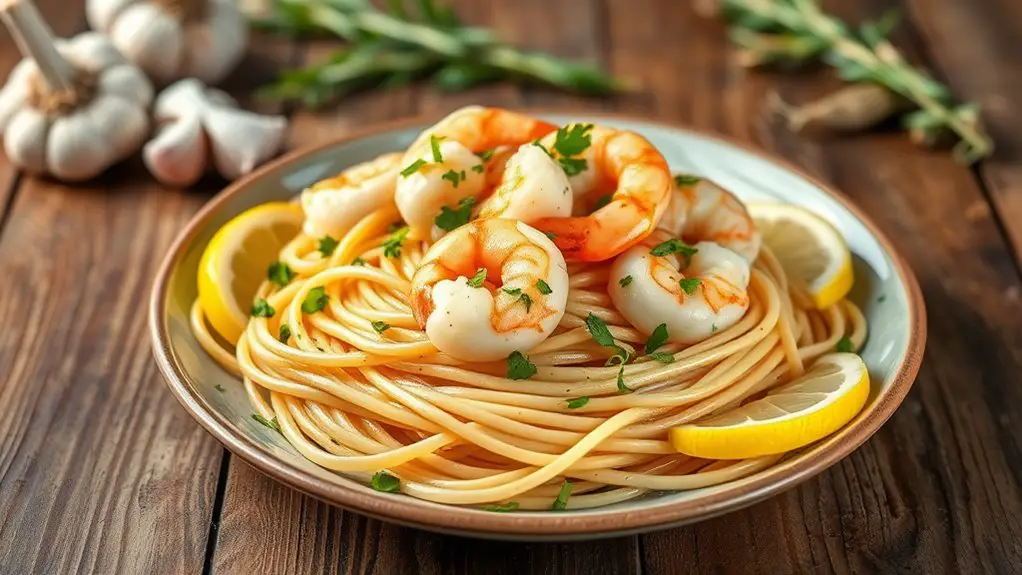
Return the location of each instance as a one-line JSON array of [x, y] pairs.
[[578, 402], [623, 282], [279, 273], [392, 246], [527, 300], [478, 168], [284, 333], [315, 300], [478, 279], [601, 334], [452, 219], [434, 145], [262, 308], [621, 387], [453, 177], [412, 167], [657, 338], [550, 235], [562, 497], [486, 154], [543, 287], [662, 357], [383, 481], [572, 142], [844, 345], [271, 423], [327, 245], [381, 326], [675, 246], [685, 180], [519, 366], [512, 291], [689, 285], [502, 507], [603, 201], [358, 262], [219, 388]]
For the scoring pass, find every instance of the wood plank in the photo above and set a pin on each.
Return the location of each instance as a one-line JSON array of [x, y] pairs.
[[975, 46], [937, 489], [267, 527]]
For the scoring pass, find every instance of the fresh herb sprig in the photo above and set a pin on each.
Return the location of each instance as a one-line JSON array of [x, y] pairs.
[[770, 31], [394, 47]]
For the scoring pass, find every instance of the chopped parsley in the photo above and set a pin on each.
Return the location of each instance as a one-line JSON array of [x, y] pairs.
[[315, 300], [675, 246], [601, 334], [623, 282], [512, 291], [392, 246], [486, 154], [434, 145], [621, 387], [358, 262], [527, 300], [271, 423], [381, 326], [603, 201], [550, 235], [662, 357], [519, 366], [262, 308], [572, 141], [383, 481], [502, 507], [219, 388], [412, 167], [285, 333], [451, 219], [543, 287], [844, 345], [478, 168], [279, 273], [713, 328], [881, 299], [453, 177], [689, 285], [561, 502], [657, 338], [578, 402], [327, 245], [539, 145], [685, 180], [394, 226], [478, 279]]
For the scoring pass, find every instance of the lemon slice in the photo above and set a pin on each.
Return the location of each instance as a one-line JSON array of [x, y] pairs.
[[236, 260], [809, 249], [808, 409]]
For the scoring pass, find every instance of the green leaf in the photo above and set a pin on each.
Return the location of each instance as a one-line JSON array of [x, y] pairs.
[[453, 177], [381, 326], [315, 300], [625, 281], [527, 300], [603, 201], [690, 285], [486, 154], [284, 333], [412, 168], [844, 345], [502, 507], [452, 219], [358, 261], [392, 246], [621, 387], [599, 331], [279, 273], [434, 146], [656, 339], [543, 287], [922, 120], [383, 481], [675, 246], [512, 291], [271, 423], [519, 366], [262, 308], [327, 245], [662, 357], [478, 279], [578, 402], [574, 166], [561, 502], [686, 180]]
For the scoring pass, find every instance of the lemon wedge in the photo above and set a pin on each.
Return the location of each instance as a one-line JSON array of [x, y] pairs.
[[808, 247], [796, 414], [236, 260]]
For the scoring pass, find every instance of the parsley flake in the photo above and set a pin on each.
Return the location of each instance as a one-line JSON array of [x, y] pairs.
[[539, 145], [881, 299], [599, 331], [381, 326], [412, 167], [623, 282], [662, 357], [219, 388], [543, 287], [452, 219], [285, 333], [657, 338], [572, 141], [844, 345], [279, 273], [392, 246], [486, 154], [527, 300], [685, 180], [262, 308], [502, 507], [383, 481], [578, 402], [573, 166], [561, 502], [713, 328], [621, 387], [512, 291], [358, 262], [603, 201], [453, 177], [478, 168], [315, 300], [271, 423], [550, 235], [434, 145], [478, 279], [327, 245], [519, 366], [689, 285]]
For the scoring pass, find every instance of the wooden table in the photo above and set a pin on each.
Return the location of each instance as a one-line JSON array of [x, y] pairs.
[[101, 471]]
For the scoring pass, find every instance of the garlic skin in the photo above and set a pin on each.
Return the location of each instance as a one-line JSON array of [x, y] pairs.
[[78, 141], [173, 39], [199, 126]]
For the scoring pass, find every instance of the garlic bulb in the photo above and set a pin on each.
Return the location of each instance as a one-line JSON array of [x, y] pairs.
[[172, 39], [198, 123], [70, 108]]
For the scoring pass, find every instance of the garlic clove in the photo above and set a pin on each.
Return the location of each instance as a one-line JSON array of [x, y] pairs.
[[120, 123], [92, 51], [128, 82], [15, 93], [214, 47], [177, 155], [242, 140], [101, 13], [151, 38], [76, 149], [25, 139], [182, 97]]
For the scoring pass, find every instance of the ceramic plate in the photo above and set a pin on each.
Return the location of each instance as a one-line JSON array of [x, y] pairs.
[[885, 289]]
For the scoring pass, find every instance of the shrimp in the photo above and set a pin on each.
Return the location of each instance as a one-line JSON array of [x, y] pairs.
[[625, 162], [514, 300], [532, 186], [335, 204], [700, 210], [442, 166], [694, 290]]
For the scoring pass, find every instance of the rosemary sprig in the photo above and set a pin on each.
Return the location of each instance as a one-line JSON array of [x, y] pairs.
[[394, 47], [771, 31]]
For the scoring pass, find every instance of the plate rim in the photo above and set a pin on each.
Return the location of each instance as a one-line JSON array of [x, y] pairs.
[[534, 526]]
